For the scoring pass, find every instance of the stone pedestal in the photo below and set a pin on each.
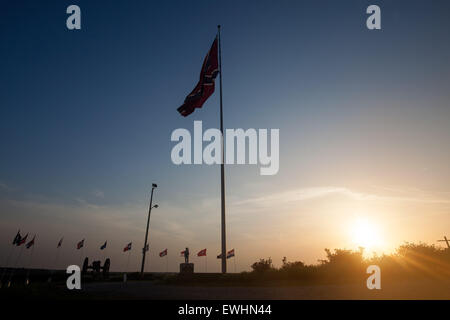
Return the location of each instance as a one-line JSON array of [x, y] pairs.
[[186, 268]]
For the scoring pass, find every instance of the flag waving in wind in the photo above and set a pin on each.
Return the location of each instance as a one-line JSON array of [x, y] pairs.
[[22, 240], [128, 247], [17, 238], [60, 243], [230, 254], [202, 253], [205, 86], [31, 243], [103, 246], [80, 244], [163, 253]]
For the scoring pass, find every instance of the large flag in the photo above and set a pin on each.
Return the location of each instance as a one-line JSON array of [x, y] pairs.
[[17, 238], [60, 242], [22, 240], [163, 253], [128, 247], [80, 244], [31, 243], [202, 253], [103, 246], [205, 86]]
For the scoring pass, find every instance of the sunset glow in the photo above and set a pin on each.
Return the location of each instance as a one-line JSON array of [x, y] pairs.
[[366, 234]]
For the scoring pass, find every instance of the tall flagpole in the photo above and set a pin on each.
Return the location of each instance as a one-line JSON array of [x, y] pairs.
[[144, 250], [222, 166]]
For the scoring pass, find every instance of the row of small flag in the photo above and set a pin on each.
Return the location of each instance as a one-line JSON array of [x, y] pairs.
[[19, 240], [102, 247], [202, 253]]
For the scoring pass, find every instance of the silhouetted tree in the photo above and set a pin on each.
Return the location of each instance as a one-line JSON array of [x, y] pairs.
[[263, 265]]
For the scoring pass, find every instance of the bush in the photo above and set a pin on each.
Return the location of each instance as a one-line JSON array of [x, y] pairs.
[[341, 265], [263, 265]]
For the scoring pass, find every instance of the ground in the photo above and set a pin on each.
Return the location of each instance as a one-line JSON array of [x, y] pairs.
[[154, 291], [216, 287], [149, 290]]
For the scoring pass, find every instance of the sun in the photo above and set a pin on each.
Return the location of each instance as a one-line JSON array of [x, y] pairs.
[[365, 234]]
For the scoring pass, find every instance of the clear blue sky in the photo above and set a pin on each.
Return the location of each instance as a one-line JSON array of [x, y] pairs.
[[86, 116]]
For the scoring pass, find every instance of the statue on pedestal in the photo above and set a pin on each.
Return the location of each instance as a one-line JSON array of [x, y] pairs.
[[186, 255]]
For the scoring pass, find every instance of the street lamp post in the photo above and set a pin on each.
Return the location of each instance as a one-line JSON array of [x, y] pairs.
[[144, 250]]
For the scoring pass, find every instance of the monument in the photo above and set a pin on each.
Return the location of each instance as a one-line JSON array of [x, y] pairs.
[[186, 267]]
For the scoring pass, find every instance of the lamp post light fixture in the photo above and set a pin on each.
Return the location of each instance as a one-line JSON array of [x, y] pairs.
[[144, 250]]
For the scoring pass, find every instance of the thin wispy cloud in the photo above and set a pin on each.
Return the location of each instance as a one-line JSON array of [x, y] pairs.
[[5, 187], [304, 194], [98, 194]]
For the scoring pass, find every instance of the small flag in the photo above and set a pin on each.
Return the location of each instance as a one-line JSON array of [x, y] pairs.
[[103, 246], [17, 238], [80, 244], [127, 248], [60, 243], [31, 243], [182, 253], [202, 253], [146, 248], [230, 254], [205, 86], [163, 253], [22, 240]]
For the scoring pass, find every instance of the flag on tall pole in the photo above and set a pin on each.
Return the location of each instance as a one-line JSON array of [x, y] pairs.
[[128, 247], [230, 254], [22, 240], [30, 243], [80, 244], [205, 86], [28, 246], [202, 253], [212, 65], [17, 238], [163, 253]]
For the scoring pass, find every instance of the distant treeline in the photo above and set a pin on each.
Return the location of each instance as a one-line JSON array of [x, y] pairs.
[[410, 261]]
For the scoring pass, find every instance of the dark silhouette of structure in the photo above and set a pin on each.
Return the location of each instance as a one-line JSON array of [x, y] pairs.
[[446, 241], [144, 249]]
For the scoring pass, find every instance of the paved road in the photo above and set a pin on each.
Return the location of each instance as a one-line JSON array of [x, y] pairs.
[[151, 290]]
